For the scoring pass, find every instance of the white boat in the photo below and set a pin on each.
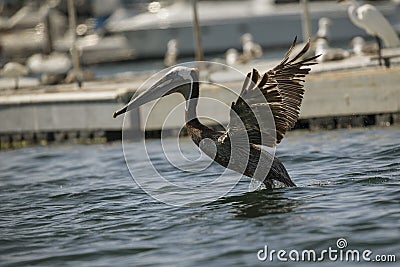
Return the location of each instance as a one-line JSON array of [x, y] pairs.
[[223, 22], [95, 49]]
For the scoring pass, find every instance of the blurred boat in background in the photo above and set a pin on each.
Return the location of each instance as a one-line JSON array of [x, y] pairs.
[[223, 22], [109, 31], [42, 27]]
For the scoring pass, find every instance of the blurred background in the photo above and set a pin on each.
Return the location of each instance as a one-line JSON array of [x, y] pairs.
[[120, 30]]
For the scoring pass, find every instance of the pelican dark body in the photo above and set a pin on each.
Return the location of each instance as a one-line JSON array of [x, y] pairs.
[[281, 90]]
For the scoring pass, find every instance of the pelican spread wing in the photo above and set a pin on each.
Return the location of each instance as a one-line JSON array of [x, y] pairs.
[[267, 107], [281, 89]]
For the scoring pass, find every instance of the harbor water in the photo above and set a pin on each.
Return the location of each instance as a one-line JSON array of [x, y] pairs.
[[77, 205]]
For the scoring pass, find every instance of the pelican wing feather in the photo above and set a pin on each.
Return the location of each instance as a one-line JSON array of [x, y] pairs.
[[279, 90]]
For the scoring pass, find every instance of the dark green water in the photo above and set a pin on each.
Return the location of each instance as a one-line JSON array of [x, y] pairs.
[[78, 206]]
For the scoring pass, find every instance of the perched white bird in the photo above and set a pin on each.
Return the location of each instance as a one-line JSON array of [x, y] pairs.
[[232, 57], [324, 25], [55, 63], [323, 28], [360, 47], [250, 49], [370, 19], [327, 53], [171, 55], [13, 70], [53, 67]]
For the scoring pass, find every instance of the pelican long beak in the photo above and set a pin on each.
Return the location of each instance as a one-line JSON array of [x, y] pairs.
[[165, 86]]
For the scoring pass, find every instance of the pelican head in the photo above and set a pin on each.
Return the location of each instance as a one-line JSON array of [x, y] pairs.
[[178, 80]]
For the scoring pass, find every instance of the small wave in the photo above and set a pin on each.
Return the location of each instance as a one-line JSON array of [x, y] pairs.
[[373, 180], [389, 151]]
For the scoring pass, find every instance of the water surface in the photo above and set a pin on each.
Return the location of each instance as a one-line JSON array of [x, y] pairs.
[[78, 206]]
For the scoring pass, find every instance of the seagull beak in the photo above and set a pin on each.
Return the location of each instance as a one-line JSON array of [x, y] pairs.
[[165, 86]]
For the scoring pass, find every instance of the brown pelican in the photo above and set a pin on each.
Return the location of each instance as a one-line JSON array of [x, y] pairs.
[[282, 89]]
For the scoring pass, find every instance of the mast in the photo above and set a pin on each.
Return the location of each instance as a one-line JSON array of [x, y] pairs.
[[74, 50], [306, 24], [197, 33]]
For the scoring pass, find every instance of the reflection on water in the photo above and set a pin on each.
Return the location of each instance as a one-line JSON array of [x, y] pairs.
[[78, 205], [260, 203]]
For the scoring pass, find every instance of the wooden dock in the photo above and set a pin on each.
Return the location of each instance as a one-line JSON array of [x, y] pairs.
[[338, 95]]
